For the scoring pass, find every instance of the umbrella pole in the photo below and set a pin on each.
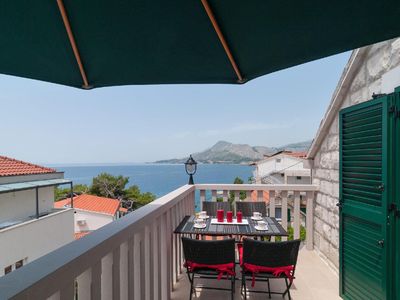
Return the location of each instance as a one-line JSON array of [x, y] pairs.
[[73, 43], [222, 40]]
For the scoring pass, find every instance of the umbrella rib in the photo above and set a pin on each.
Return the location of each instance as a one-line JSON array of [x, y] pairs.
[[222, 40], [73, 43]]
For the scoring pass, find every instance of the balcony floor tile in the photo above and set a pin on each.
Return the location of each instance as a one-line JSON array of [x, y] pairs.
[[314, 281]]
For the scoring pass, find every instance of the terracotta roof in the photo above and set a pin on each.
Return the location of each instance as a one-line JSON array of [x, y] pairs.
[[62, 203], [265, 196], [298, 154], [286, 152], [92, 203], [13, 167], [79, 235]]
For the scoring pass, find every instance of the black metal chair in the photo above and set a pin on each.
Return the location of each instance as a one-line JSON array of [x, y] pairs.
[[248, 207], [211, 207], [272, 256], [199, 253]]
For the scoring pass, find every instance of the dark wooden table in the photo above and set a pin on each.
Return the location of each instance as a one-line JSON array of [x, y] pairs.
[[274, 228]]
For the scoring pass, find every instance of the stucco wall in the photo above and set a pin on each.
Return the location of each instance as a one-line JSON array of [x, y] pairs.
[[271, 165], [33, 239], [22, 204], [93, 221], [374, 75]]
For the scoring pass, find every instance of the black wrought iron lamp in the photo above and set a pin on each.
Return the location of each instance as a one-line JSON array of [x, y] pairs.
[[191, 168]]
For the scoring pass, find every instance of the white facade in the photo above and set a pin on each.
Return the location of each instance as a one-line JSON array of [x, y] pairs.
[[282, 168], [90, 220], [21, 205], [30, 240], [23, 238]]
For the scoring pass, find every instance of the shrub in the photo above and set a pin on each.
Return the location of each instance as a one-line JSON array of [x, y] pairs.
[[290, 231]]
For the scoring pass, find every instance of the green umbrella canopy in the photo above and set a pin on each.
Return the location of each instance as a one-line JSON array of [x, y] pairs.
[[123, 42]]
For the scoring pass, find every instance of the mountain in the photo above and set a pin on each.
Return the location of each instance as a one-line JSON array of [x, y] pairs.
[[298, 147], [225, 152]]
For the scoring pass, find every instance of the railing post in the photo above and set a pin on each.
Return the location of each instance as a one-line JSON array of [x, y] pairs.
[[237, 196], [260, 195], [116, 290], [95, 287], [225, 195], [272, 208], [214, 195], [272, 204], [131, 268], [156, 258], [123, 271], [284, 196], [296, 223], [84, 281], [310, 221], [146, 263], [202, 198], [106, 276], [67, 292]]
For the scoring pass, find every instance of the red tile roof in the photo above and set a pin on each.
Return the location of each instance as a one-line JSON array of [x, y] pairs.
[[298, 154], [290, 153], [79, 235], [92, 203], [13, 167], [123, 209], [62, 203]]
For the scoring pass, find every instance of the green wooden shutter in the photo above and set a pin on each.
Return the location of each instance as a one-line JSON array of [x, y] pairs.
[[363, 200], [395, 182]]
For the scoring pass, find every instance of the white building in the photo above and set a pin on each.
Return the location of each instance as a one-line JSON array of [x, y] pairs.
[[283, 167], [29, 225], [91, 212]]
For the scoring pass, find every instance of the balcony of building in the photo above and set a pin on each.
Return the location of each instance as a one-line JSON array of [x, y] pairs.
[[139, 256]]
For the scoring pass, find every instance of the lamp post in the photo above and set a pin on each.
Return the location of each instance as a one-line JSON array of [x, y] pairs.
[[191, 168]]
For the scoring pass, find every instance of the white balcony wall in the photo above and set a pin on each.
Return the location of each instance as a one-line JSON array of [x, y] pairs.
[[22, 204], [32, 239]]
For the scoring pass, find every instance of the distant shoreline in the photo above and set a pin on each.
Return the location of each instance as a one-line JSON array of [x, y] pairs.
[[70, 165]]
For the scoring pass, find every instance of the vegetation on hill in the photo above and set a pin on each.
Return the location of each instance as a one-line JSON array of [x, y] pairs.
[[109, 186], [225, 152]]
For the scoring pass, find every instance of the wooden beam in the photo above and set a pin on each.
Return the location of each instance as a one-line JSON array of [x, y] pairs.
[[73, 43], [222, 40]]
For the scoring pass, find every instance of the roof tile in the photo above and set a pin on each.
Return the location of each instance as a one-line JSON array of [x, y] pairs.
[[13, 167], [92, 203]]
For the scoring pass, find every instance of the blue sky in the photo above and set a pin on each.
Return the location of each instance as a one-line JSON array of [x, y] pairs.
[[48, 123]]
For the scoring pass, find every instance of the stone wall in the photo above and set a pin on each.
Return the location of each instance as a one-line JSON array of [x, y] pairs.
[[377, 60]]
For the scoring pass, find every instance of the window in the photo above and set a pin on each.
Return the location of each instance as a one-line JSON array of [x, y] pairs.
[[278, 160], [7, 270], [298, 177], [19, 264]]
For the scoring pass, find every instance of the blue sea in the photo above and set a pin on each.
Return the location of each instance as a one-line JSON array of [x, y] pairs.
[[159, 179]]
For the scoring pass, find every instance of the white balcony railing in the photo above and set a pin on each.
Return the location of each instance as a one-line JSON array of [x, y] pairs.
[[289, 196], [135, 257]]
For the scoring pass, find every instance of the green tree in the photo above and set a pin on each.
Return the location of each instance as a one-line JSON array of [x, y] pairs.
[[107, 185], [61, 193], [242, 194], [139, 199]]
